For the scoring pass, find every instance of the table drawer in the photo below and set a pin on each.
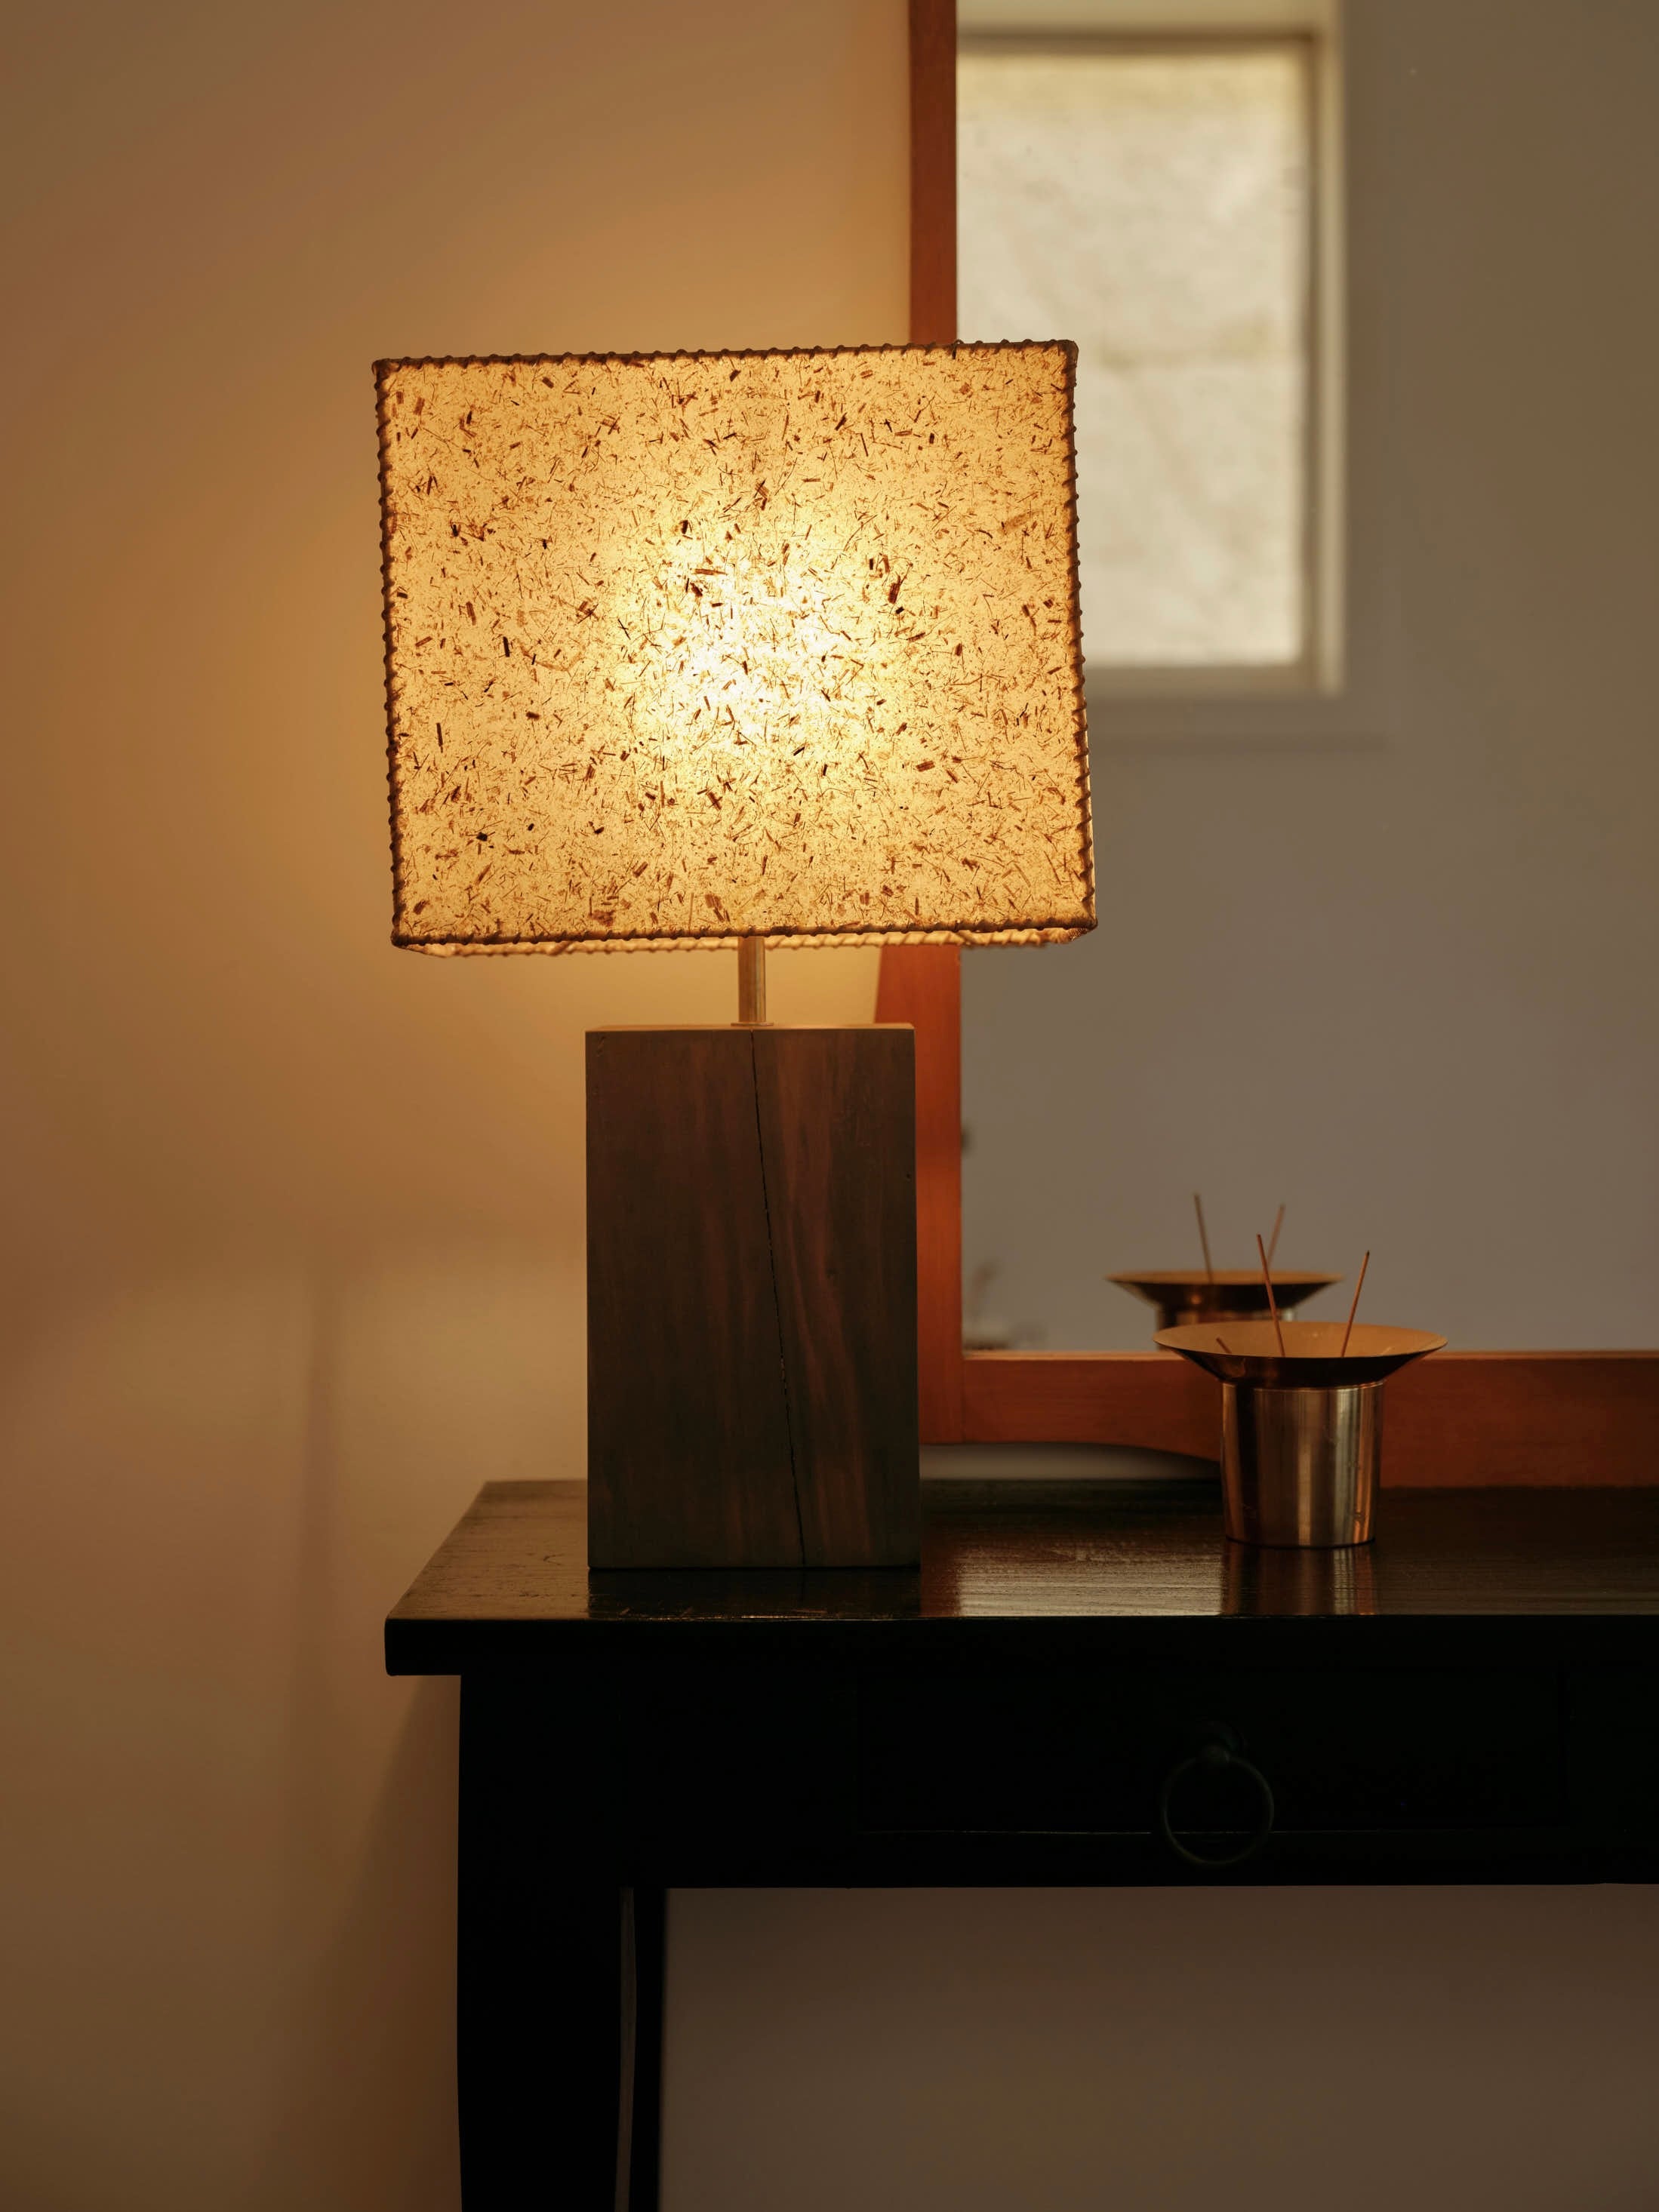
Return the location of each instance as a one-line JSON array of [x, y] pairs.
[[1088, 1751]]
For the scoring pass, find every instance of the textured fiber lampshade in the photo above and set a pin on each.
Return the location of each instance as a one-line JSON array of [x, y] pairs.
[[724, 648], [684, 649]]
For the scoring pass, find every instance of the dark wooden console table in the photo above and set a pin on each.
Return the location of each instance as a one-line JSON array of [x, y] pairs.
[[1083, 1683]]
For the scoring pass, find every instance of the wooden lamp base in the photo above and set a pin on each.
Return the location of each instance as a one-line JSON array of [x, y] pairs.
[[751, 1297]]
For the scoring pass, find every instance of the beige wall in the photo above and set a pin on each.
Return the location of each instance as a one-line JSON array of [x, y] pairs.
[[291, 1251], [1164, 2051], [292, 1244]]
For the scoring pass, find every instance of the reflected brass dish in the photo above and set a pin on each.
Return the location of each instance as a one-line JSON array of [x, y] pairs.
[[1189, 1294]]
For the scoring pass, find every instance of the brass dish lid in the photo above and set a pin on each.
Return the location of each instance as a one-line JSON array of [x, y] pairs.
[[1230, 1289], [1248, 1350]]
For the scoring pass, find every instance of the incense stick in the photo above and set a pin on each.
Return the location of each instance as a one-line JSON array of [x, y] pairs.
[[1273, 1242], [1273, 1303], [1203, 1237], [1354, 1308]]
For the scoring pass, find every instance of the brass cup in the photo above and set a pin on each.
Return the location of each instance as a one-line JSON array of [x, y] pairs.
[[1299, 1466], [1301, 1422]]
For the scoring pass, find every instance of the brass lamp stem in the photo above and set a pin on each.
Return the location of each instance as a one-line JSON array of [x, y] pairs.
[[752, 983]]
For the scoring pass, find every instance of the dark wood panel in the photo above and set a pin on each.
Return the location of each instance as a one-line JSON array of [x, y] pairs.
[[838, 1135], [650, 1762], [751, 1297], [922, 984], [688, 1425], [1346, 1747]]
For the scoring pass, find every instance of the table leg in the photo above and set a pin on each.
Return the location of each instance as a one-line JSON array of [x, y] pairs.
[[645, 1930], [559, 1991]]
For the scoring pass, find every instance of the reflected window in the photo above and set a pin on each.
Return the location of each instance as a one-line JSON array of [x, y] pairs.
[[1157, 204]]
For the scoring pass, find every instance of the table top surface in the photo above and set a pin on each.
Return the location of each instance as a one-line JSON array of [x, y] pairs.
[[1025, 1550]]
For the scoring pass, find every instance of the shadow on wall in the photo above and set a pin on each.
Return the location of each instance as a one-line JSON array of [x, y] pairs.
[[369, 2111], [230, 1841]]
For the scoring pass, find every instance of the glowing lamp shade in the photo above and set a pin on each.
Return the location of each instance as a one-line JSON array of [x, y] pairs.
[[684, 649]]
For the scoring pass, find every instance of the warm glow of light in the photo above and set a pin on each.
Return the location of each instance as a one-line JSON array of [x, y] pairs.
[[688, 646]]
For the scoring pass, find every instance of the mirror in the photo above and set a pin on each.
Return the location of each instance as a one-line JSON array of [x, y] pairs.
[[1366, 499]]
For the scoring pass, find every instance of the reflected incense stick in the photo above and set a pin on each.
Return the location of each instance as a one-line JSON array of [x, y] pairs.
[[1203, 1237], [1273, 1242]]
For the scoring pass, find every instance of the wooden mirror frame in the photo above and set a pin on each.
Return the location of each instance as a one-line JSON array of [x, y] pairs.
[[1460, 1419]]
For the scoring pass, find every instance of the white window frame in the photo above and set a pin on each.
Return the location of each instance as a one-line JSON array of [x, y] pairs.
[[1175, 27]]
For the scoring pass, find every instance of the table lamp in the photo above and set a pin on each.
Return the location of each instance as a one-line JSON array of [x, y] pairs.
[[720, 650]]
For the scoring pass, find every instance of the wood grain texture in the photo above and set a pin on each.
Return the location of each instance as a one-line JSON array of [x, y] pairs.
[[1148, 1399], [751, 1297], [922, 984], [1506, 1417], [513, 1579], [838, 1140], [932, 171], [688, 1427]]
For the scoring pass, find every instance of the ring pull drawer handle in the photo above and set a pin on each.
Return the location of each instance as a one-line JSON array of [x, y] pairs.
[[1219, 1753]]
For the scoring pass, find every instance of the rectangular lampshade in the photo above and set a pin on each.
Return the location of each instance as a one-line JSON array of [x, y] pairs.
[[685, 647]]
